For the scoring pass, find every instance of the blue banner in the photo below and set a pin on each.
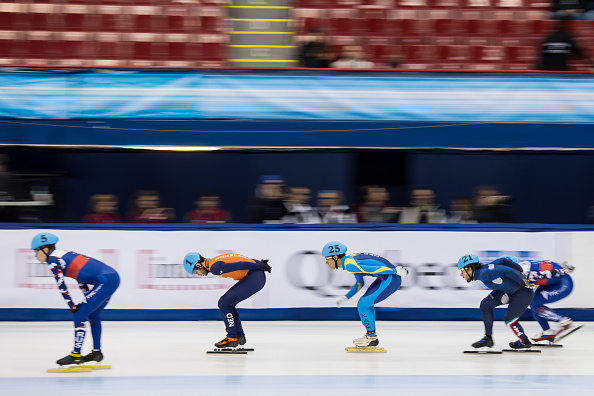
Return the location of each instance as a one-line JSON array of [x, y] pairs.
[[297, 95]]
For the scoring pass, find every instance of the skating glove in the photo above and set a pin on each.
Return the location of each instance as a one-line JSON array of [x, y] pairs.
[[401, 271], [264, 266], [567, 267], [340, 300], [74, 308]]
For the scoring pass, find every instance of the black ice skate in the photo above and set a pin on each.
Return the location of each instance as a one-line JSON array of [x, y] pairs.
[[227, 342], [520, 345], [241, 340], [229, 345], [70, 359], [485, 342], [94, 356]]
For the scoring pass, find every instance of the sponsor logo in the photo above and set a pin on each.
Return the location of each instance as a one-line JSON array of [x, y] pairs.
[[305, 270]]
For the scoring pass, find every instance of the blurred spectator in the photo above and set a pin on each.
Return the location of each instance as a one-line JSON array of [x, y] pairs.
[[300, 211], [352, 58], [423, 208], [103, 208], [7, 191], [461, 211], [375, 206], [332, 208], [145, 207], [208, 210], [557, 47], [571, 9], [268, 205], [490, 206], [316, 52]]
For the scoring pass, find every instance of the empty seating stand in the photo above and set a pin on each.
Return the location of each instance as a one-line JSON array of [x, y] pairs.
[[416, 34]]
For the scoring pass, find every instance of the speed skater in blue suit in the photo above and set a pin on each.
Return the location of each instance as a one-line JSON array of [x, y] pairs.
[[503, 276], [98, 282], [387, 281]]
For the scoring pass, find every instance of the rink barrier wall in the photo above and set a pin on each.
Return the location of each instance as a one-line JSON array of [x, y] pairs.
[[271, 314], [155, 286]]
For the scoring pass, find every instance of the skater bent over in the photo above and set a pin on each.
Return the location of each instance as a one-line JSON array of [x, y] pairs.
[[365, 264], [504, 277], [97, 281], [251, 277], [553, 283]]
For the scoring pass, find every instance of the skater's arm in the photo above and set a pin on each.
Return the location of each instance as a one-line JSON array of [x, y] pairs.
[[355, 289], [221, 267], [61, 281]]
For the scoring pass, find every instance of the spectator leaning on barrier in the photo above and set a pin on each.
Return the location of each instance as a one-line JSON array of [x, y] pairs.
[[423, 208], [145, 207], [332, 208], [208, 210], [103, 208]]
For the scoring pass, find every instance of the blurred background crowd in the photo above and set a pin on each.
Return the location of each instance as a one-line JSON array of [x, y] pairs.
[[332, 186]]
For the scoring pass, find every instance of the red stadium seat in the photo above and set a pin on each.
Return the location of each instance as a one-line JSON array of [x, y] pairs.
[[211, 20], [375, 22], [344, 22], [213, 52], [308, 18], [380, 50]]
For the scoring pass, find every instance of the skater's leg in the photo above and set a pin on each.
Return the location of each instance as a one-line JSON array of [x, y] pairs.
[[253, 282], [518, 304], [487, 305], [95, 299], [540, 312], [365, 305], [96, 326]]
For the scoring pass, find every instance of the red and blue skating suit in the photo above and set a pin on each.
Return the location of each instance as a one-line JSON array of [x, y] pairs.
[[386, 282], [251, 280], [98, 282], [552, 282]]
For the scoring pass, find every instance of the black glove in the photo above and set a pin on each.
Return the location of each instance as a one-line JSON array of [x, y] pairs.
[[264, 266], [74, 308]]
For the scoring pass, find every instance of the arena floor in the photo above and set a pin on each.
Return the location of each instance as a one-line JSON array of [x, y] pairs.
[[292, 358]]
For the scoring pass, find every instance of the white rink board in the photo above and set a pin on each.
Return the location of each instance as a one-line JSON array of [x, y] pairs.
[[149, 263]]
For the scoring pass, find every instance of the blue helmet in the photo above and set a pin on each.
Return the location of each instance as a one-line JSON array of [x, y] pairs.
[[467, 259], [42, 239], [190, 261], [333, 248]]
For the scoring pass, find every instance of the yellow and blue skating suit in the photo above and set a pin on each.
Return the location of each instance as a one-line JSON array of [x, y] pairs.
[[386, 283]]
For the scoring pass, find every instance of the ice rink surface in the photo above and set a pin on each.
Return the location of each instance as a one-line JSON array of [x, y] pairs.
[[292, 358]]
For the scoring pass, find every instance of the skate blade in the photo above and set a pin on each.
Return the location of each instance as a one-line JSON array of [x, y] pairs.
[[228, 351], [523, 350], [484, 352], [549, 344], [98, 366], [365, 349], [71, 369], [568, 332]]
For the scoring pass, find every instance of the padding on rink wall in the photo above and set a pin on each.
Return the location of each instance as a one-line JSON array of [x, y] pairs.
[[301, 287]]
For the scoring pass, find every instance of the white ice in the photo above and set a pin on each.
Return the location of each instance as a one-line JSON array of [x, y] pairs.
[[292, 358]]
